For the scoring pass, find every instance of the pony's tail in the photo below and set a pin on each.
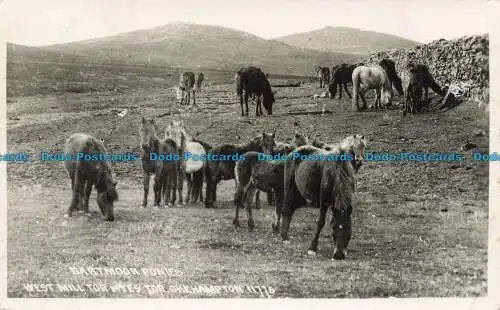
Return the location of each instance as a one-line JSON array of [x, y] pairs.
[[344, 185]]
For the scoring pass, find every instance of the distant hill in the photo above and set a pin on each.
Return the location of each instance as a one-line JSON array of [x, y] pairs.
[[189, 46], [346, 40]]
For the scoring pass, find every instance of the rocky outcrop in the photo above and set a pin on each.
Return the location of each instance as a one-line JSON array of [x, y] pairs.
[[462, 61]]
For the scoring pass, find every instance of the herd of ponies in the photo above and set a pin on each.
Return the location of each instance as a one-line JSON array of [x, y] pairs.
[[326, 182]]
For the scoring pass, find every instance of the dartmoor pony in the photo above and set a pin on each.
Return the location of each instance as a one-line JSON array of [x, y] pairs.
[[372, 77], [187, 85], [165, 171], [217, 170], [389, 67], [190, 164], [331, 183], [254, 175], [326, 182], [323, 73], [199, 81], [251, 81], [87, 173], [282, 148], [341, 76], [416, 77]]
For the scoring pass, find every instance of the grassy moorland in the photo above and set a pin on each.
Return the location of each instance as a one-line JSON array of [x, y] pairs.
[[420, 228]]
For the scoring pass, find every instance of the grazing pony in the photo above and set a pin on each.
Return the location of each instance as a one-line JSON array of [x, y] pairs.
[[323, 73], [416, 77], [254, 175], [341, 76], [199, 81], [85, 174], [165, 171], [330, 182], [251, 81], [190, 164], [187, 85], [228, 154], [389, 67], [372, 77]]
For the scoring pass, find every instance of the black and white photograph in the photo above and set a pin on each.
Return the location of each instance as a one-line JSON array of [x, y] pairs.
[[232, 149]]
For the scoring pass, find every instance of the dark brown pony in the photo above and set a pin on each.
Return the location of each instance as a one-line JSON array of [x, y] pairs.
[[282, 148], [390, 68], [330, 182], [417, 78], [187, 85], [323, 73], [165, 171], [341, 76], [251, 81], [253, 175], [200, 77], [85, 172], [218, 170]]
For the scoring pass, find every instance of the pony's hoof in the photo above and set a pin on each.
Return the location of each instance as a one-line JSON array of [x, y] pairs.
[[337, 255], [275, 228], [311, 253], [286, 241], [236, 223]]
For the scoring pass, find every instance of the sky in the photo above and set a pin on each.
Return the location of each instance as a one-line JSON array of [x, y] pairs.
[[36, 22]]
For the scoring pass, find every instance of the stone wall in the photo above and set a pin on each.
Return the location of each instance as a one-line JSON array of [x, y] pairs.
[[463, 60]]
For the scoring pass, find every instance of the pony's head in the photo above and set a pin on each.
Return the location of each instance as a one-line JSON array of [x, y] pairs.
[[354, 145], [175, 131], [386, 94], [147, 132], [341, 219], [299, 140], [268, 100], [268, 143], [390, 68], [106, 192]]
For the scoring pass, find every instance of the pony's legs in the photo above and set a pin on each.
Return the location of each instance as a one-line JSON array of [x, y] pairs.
[[157, 189], [291, 202], [88, 191], [346, 90], [378, 99], [278, 203], [271, 198], [313, 248], [194, 96], [241, 105], [257, 200], [340, 90], [189, 182], [146, 178], [77, 190], [363, 99], [250, 193], [258, 106], [180, 183], [239, 198]]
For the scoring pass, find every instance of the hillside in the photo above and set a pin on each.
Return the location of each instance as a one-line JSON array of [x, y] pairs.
[[346, 40], [191, 45]]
